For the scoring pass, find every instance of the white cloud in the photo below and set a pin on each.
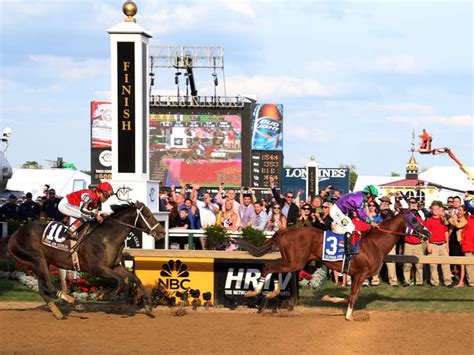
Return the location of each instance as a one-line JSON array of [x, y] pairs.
[[69, 69], [406, 64], [371, 106], [273, 86], [240, 7], [311, 134], [105, 95], [417, 121]]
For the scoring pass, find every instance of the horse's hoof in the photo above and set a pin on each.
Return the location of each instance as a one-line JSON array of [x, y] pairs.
[[65, 297], [250, 294], [79, 308], [150, 314], [350, 319], [271, 295]]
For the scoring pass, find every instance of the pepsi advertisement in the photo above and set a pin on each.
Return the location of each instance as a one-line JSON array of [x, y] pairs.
[[267, 127]]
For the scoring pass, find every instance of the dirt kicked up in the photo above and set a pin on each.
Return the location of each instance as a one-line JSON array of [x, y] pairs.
[[29, 328]]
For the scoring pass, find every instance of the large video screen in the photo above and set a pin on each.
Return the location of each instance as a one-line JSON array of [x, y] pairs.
[[196, 148]]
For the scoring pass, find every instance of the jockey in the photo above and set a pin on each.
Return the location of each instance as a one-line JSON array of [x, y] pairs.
[[352, 202], [84, 205]]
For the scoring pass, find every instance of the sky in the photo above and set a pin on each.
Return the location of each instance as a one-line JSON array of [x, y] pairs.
[[355, 78]]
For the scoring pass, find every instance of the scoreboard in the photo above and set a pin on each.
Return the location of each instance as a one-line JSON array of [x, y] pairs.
[[266, 164]]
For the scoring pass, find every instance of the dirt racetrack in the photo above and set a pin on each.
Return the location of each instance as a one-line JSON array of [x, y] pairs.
[[29, 328]]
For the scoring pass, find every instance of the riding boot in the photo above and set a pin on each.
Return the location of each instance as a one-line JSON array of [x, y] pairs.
[[74, 228], [349, 249]]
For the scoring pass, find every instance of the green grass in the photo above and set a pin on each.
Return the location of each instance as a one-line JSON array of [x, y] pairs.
[[14, 291], [420, 298]]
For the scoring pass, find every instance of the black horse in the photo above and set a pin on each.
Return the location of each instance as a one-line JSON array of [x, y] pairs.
[[100, 253]]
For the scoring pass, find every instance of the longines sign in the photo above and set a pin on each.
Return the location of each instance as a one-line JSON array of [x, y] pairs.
[[294, 179], [126, 106]]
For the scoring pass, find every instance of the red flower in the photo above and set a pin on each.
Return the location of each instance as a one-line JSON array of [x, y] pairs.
[[84, 289]]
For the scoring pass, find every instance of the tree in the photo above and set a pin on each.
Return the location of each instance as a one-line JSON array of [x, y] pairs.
[[393, 173], [31, 165], [352, 175]]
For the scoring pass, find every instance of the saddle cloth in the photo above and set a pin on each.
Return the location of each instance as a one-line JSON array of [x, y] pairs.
[[333, 245], [55, 236]]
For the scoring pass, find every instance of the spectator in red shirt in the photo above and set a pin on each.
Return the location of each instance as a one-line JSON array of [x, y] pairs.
[[437, 244], [467, 245], [413, 246]]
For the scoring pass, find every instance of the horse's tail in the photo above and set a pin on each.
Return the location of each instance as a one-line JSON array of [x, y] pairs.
[[4, 247], [256, 251]]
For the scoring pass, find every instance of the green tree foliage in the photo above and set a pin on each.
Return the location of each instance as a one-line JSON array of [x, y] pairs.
[[253, 236], [352, 175], [31, 165]]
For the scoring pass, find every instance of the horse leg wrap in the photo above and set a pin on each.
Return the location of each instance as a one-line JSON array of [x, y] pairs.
[[276, 290], [55, 310], [258, 289], [64, 296]]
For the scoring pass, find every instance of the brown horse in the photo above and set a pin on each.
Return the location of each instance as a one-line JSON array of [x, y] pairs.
[[100, 253], [298, 246]]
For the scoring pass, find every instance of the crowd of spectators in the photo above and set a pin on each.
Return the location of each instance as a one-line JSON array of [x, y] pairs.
[[451, 225]]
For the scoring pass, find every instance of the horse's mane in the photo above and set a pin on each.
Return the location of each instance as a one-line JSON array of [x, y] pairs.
[[116, 209]]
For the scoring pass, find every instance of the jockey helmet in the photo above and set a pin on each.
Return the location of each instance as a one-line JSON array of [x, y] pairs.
[[105, 187], [370, 190]]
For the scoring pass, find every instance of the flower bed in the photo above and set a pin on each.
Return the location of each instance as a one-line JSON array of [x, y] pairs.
[[86, 287], [315, 280]]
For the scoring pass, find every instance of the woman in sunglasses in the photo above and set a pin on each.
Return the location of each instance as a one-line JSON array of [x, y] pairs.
[[277, 220], [306, 218]]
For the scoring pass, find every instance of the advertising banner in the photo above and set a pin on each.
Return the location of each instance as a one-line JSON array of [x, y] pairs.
[[267, 127], [101, 141], [233, 278], [294, 179], [177, 274], [202, 149]]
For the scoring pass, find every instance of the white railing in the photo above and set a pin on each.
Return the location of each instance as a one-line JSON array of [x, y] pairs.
[[191, 234]]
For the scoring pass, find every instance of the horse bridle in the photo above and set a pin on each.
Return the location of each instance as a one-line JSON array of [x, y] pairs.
[[410, 219], [151, 230]]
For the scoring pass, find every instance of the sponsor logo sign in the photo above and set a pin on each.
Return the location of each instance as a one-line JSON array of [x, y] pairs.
[[176, 274], [233, 278]]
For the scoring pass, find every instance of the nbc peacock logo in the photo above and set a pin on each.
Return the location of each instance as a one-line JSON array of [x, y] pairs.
[[174, 275]]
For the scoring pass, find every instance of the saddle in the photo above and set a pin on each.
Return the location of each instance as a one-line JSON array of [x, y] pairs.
[[58, 236], [333, 245]]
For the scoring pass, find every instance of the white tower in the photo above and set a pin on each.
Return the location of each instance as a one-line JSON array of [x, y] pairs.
[[129, 79]]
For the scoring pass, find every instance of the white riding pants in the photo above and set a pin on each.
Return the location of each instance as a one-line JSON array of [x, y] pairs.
[[69, 210], [341, 223]]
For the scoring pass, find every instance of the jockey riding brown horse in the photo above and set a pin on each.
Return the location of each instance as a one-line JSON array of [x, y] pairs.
[[300, 245], [100, 253]]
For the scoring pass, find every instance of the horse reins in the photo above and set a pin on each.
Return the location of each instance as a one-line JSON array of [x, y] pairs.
[[390, 232], [134, 226]]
